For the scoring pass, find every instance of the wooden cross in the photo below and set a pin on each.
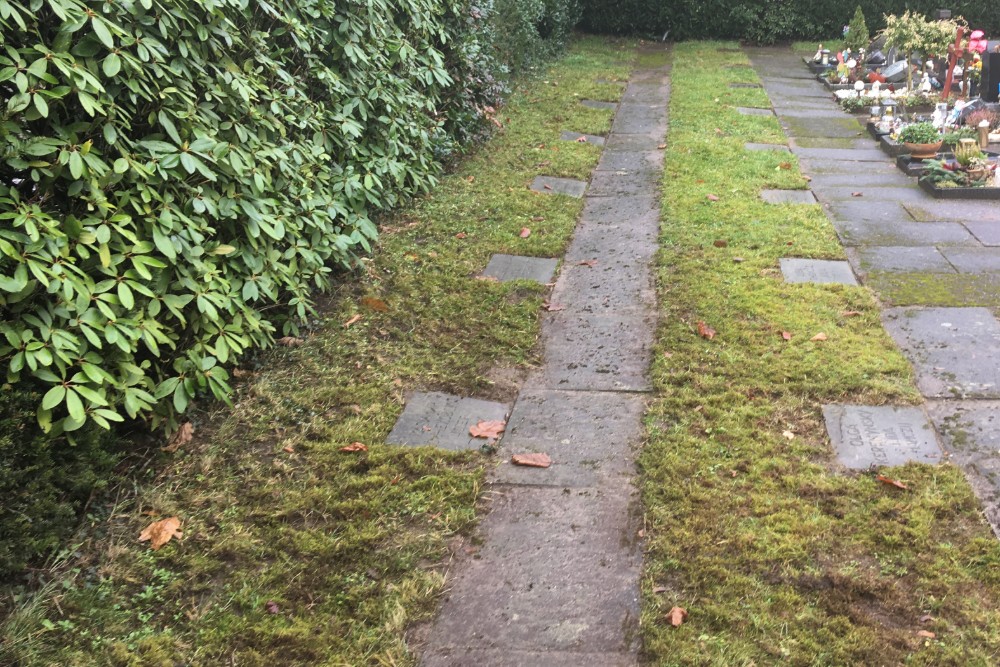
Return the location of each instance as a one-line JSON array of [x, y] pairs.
[[956, 52]]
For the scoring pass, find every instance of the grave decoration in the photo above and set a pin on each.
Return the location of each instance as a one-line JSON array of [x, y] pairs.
[[971, 172]]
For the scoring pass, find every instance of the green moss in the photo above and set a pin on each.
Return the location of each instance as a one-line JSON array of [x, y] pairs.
[[936, 289]]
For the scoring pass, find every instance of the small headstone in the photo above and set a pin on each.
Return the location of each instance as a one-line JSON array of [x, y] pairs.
[[559, 186], [788, 196], [594, 139], [595, 104], [754, 111], [766, 147], [511, 267], [821, 271], [864, 436], [443, 421]]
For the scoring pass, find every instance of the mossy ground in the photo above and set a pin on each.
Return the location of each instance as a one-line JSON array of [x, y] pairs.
[[349, 547], [779, 556]]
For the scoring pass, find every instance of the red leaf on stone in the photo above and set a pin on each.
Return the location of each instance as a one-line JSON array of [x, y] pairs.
[[581, 140], [531, 460], [553, 307], [677, 616], [891, 482], [525, 232], [490, 430], [588, 262], [705, 331], [857, 194]]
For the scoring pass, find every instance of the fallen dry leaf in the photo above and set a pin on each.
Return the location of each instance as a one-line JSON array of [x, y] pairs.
[[677, 616], [355, 447], [548, 187], [851, 313], [240, 373], [891, 482], [160, 532], [785, 165], [581, 140], [289, 341], [720, 243], [181, 437], [553, 307], [857, 194], [705, 331], [819, 336], [926, 618], [587, 262], [787, 335], [490, 430], [461, 235], [926, 633], [352, 321], [525, 232], [372, 303], [272, 607], [661, 146], [470, 179], [288, 449], [659, 589], [807, 179], [788, 435], [531, 460], [712, 197]]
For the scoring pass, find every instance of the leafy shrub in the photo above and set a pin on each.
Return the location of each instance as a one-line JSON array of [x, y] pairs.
[[857, 34], [178, 179], [43, 483]]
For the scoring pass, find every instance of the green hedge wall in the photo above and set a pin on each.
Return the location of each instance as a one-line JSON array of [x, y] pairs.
[[763, 21]]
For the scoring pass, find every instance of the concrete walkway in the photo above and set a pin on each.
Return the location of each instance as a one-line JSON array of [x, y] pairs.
[[556, 580], [935, 263]]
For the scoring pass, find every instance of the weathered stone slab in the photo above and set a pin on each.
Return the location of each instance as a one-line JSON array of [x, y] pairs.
[[559, 572], [559, 186], [616, 285], [954, 351], [636, 119], [970, 433], [619, 210], [884, 233], [595, 352], [596, 140], [816, 166], [595, 104], [860, 182], [903, 259], [788, 196], [766, 147], [865, 436], [633, 142], [870, 211], [845, 154], [822, 127], [648, 162], [856, 193], [821, 271], [931, 210], [443, 421], [622, 183], [512, 267], [754, 111], [975, 260], [590, 436], [647, 93], [988, 233]]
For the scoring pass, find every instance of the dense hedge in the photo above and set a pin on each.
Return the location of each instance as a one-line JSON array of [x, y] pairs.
[[763, 21], [178, 179]]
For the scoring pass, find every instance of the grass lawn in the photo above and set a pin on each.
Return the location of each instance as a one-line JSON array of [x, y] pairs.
[[779, 556], [294, 552]]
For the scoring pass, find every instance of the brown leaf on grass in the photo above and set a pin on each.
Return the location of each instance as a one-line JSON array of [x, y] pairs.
[[857, 194], [352, 321], [661, 146], [490, 430], [677, 616], [553, 307], [587, 262], [355, 447], [181, 437], [272, 607], [240, 373], [289, 341], [819, 337], [851, 313], [787, 335], [891, 482], [659, 589], [288, 449], [926, 634], [372, 303], [788, 435], [461, 235], [160, 532], [721, 243], [785, 165], [470, 179], [926, 618], [525, 233], [538, 218], [712, 197], [581, 140], [705, 331], [531, 460]]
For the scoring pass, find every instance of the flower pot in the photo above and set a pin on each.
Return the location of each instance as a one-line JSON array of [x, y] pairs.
[[923, 151]]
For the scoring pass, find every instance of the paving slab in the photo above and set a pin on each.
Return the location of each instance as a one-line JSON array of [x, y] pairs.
[[859, 181], [821, 271], [865, 436], [975, 260], [842, 154], [816, 166], [843, 126], [988, 233], [928, 209], [954, 351], [903, 259], [618, 210], [559, 572], [591, 438], [616, 285], [885, 194], [754, 111], [970, 433], [622, 183], [596, 104], [833, 142], [869, 211], [559, 186], [650, 162], [443, 420], [788, 196], [766, 147], [631, 119], [513, 267], [647, 93], [885, 233], [568, 135], [619, 141]]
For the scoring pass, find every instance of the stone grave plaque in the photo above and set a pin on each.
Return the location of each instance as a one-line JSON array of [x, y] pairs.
[[766, 147], [594, 139], [864, 436], [754, 111], [559, 186], [443, 421], [954, 351], [788, 196], [821, 271], [512, 267], [595, 104]]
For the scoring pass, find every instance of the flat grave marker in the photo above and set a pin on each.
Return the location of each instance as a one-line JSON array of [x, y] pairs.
[[865, 436], [751, 146], [443, 420], [820, 271], [552, 185], [569, 135], [754, 111], [596, 104], [513, 267], [788, 196]]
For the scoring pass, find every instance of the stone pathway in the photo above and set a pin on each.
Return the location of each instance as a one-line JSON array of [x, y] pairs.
[[898, 238], [556, 579]]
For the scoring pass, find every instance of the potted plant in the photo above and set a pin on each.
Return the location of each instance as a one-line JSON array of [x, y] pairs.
[[922, 140]]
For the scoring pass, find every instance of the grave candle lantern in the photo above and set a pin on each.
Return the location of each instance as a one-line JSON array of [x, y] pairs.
[[826, 57]]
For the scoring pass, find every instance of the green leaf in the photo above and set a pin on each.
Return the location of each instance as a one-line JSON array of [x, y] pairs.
[[102, 31], [53, 397], [41, 105], [111, 65], [121, 165]]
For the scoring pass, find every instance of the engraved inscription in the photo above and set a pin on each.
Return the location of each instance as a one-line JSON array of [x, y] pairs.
[[882, 436]]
